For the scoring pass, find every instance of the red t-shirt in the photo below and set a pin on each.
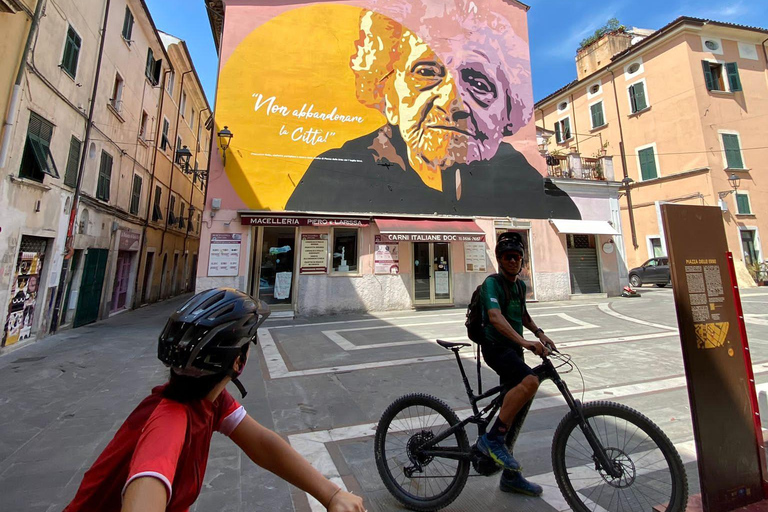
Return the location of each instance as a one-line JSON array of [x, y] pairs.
[[161, 438]]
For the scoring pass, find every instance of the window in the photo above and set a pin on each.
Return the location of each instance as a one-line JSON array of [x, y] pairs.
[[633, 68], [157, 213], [127, 25], [153, 68], [715, 74], [563, 130], [144, 125], [594, 89], [344, 250], [596, 111], [136, 194], [171, 80], [563, 105], [164, 142], [656, 250], [178, 145], [37, 160], [637, 99], [197, 227], [71, 52], [183, 104], [116, 102], [742, 204], [181, 215], [171, 208], [647, 160], [73, 162], [732, 151], [105, 177], [192, 121], [749, 247]]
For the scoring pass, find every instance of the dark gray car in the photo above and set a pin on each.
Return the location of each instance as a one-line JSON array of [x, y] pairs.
[[654, 271]]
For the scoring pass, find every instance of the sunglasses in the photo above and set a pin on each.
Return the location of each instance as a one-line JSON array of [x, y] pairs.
[[511, 256]]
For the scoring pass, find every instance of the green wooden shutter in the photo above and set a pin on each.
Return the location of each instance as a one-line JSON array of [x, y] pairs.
[[647, 164], [742, 204], [566, 128], [127, 24], [637, 94], [733, 76], [136, 194], [708, 78], [732, 151], [73, 162], [71, 52], [597, 115], [558, 135], [150, 64], [105, 177]]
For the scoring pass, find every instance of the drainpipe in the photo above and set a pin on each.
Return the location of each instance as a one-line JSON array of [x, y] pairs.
[[625, 181], [10, 117], [158, 138], [575, 129], [73, 208], [173, 160]]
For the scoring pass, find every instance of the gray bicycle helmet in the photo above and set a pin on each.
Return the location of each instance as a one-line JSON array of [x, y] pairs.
[[510, 241], [206, 334]]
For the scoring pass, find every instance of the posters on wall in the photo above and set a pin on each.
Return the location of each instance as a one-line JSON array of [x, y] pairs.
[[474, 257], [386, 257], [21, 311], [283, 285], [314, 255], [224, 256]]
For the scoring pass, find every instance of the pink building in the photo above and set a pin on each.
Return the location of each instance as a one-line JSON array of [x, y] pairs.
[[375, 157]]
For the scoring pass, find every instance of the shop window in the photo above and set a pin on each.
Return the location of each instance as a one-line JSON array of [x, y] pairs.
[[344, 250], [37, 160]]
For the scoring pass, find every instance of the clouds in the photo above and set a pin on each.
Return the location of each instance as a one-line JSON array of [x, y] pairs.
[[578, 27]]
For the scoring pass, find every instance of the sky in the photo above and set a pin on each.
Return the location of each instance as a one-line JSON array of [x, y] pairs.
[[555, 29]]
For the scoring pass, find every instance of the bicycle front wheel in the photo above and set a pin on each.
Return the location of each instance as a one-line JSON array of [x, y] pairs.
[[419, 481], [650, 472]]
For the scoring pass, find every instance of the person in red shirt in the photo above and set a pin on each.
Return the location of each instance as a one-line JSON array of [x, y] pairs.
[[158, 457]]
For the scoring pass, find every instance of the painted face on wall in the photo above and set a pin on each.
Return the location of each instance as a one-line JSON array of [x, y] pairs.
[[447, 113]]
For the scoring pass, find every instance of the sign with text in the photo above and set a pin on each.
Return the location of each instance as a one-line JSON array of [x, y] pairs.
[[271, 220], [474, 257], [314, 254], [715, 357], [129, 240], [431, 237], [224, 255], [387, 257]]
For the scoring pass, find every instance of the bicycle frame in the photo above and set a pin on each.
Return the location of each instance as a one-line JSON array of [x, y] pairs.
[[546, 370]]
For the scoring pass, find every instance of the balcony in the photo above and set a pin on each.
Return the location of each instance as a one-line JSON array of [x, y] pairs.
[[575, 166]]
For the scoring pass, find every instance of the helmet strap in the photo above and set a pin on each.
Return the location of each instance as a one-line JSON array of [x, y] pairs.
[[236, 381]]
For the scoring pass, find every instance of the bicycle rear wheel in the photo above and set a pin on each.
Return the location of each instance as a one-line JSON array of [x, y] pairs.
[[420, 482], [652, 473]]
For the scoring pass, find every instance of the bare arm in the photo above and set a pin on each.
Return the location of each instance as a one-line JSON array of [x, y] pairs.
[[145, 494], [529, 324], [273, 453]]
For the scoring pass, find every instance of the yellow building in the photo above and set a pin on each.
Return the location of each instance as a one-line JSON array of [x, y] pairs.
[[681, 110]]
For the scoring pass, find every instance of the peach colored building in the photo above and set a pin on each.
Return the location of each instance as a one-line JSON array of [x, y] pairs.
[[687, 105]]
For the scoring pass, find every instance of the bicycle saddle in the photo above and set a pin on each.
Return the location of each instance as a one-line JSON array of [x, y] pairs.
[[450, 346]]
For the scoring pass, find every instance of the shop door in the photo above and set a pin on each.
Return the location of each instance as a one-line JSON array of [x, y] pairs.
[[24, 289], [277, 257], [582, 264], [89, 297], [432, 280], [122, 276]]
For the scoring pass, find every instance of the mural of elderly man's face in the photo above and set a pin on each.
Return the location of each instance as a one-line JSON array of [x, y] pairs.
[[451, 112]]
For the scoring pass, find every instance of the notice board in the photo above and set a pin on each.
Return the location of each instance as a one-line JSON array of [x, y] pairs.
[[716, 362]]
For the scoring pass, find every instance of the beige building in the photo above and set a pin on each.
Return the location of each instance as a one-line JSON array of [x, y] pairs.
[[681, 110]]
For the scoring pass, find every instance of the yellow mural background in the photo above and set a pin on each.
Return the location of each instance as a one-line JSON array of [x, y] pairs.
[[299, 57]]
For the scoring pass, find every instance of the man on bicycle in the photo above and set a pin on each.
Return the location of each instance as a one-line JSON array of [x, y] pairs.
[[505, 315], [157, 459]]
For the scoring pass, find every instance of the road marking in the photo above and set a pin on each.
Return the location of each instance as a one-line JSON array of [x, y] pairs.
[[756, 319], [606, 308]]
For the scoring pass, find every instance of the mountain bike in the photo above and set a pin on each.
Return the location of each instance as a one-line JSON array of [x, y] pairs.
[[605, 455]]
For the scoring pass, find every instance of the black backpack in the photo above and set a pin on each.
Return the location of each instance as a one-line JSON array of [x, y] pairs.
[[474, 322]]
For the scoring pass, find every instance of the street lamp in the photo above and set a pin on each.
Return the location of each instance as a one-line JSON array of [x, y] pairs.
[[225, 136], [734, 182], [182, 158]]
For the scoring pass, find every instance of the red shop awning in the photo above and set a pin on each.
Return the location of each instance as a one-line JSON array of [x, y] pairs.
[[429, 230]]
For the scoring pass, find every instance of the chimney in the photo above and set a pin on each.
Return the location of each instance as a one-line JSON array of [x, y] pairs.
[[597, 54]]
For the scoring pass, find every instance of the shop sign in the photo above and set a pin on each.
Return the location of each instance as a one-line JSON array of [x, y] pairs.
[[474, 257], [224, 255], [386, 257], [129, 240], [314, 254], [431, 237], [269, 220], [718, 367]]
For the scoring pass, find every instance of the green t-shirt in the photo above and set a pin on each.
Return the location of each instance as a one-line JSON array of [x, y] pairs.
[[493, 297]]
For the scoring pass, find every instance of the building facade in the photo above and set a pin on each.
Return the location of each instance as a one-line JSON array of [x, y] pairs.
[[680, 110], [380, 179], [83, 132]]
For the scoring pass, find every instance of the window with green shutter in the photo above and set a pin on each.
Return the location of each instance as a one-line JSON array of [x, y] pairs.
[[647, 159], [105, 177], [128, 25], [157, 211], [37, 160], [558, 135], [732, 151], [73, 162], [598, 119], [637, 99], [566, 128], [734, 82], [742, 204], [136, 194], [71, 52]]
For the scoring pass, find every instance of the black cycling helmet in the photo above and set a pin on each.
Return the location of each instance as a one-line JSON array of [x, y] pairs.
[[509, 241], [206, 334]]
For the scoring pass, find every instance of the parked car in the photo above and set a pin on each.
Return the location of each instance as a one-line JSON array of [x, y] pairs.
[[654, 271]]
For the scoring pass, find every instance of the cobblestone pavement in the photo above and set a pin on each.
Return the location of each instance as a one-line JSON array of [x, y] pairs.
[[323, 383]]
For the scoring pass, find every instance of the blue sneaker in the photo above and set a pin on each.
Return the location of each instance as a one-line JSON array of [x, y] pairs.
[[497, 452], [513, 481]]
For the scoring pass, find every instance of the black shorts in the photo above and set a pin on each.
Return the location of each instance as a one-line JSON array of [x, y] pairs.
[[507, 360]]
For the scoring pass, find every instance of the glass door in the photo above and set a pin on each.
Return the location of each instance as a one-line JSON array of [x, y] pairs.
[[432, 282], [278, 246], [422, 273], [441, 270]]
